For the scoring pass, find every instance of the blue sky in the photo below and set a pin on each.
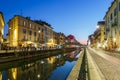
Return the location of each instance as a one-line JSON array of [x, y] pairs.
[[77, 17]]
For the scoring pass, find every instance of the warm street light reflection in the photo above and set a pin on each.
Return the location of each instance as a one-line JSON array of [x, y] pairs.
[[14, 73], [0, 76], [38, 75]]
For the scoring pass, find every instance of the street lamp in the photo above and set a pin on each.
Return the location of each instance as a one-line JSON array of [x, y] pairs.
[[39, 31], [97, 26]]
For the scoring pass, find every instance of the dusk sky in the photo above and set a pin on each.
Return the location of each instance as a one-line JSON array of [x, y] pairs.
[[77, 17]]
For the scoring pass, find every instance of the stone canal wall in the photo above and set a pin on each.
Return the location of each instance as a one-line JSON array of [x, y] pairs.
[[19, 55], [85, 68], [74, 74]]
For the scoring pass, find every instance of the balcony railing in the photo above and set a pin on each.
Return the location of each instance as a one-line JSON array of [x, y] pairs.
[[107, 29], [114, 25]]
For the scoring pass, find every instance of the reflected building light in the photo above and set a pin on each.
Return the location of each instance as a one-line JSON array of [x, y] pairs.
[[14, 73], [9, 27], [42, 62], [51, 60], [0, 76], [38, 75]]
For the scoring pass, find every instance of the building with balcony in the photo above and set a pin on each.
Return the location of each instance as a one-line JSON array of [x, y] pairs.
[[112, 25], [91, 40], [26, 32], [61, 38], [99, 34], [2, 24], [47, 33]]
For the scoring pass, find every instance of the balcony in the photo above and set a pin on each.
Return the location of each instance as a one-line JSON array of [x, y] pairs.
[[114, 25], [107, 29]]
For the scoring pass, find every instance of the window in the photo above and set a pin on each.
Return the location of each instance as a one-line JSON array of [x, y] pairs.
[[115, 21], [24, 23], [30, 32], [24, 31], [119, 6], [111, 16], [34, 33], [35, 27], [30, 26], [38, 28], [115, 11], [42, 30], [24, 37]]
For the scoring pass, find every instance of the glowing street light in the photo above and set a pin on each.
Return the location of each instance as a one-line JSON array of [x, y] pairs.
[[39, 31], [97, 26], [114, 39]]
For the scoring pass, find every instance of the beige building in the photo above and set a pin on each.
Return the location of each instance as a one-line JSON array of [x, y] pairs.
[[112, 29], [99, 34], [2, 24], [25, 32], [59, 39]]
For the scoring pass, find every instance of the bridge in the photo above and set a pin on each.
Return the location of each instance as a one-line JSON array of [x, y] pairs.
[[96, 64]]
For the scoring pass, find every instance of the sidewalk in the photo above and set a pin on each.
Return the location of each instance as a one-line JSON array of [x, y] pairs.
[[93, 70], [108, 65], [111, 53]]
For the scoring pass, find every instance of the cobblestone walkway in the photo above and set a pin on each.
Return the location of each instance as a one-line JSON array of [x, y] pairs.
[[109, 69]]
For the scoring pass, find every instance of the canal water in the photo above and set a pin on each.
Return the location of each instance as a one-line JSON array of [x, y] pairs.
[[55, 67]]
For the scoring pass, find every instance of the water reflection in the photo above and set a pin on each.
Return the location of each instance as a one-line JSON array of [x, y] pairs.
[[42, 69]]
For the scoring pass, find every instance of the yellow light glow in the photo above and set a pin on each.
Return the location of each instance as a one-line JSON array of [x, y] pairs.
[[114, 39], [0, 76], [51, 60], [2, 20], [39, 31], [38, 75], [15, 32], [14, 73]]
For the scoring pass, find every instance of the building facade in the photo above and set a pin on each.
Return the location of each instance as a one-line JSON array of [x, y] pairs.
[[61, 38], [2, 24], [99, 34], [25, 32], [112, 25]]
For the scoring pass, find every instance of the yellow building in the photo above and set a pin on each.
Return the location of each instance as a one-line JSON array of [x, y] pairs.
[[47, 34], [112, 25], [2, 24], [59, 38], [25, 32], [55, 38], [99, 34]]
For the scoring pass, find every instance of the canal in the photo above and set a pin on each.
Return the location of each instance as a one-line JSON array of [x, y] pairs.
[[55, 67]]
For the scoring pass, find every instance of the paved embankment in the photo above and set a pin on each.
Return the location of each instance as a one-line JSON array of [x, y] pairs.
[[74, 74], [93, 71], [109, 66]]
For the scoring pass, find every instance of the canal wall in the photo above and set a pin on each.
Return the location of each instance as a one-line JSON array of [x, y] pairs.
[[85, 68], [74, 74], [19, 55]]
